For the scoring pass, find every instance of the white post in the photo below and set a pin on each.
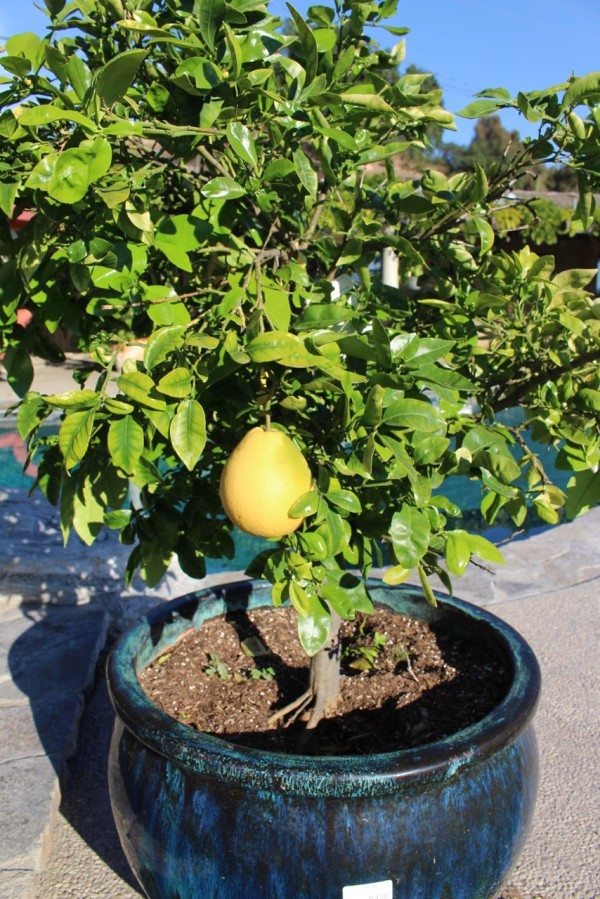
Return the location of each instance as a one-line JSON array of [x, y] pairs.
[[390, 275]]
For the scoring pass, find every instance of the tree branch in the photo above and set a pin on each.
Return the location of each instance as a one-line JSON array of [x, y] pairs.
[[524, 387]]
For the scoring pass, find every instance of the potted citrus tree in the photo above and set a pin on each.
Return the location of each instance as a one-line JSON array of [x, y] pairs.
[[224, 185]]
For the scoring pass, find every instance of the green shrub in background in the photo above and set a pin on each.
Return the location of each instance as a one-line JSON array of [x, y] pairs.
[[199, 178]]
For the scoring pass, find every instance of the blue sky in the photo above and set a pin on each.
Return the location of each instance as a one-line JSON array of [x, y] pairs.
[[469, 44]]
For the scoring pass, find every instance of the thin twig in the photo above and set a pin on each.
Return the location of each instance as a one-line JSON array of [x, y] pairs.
[[206, 154]]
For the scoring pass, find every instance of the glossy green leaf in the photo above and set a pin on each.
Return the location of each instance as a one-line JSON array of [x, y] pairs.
[[34, 116], [8, 193], [162, 344], [272, 346], [222, 189], [73, 399], [310, 51], [19, 369], [479, 108], [242, 143], [125, 443], [74, 436], [458, 551], [176, 383], [427, 590], [338, 599], [306, 173], [416, 415], [209, 15], [583, 493], [305, 505], [140, 387], [345, 499], [313, 628], [395, 575], [188, 432], [117, 75], [79, 75], [485, 549], [410, 532], [584, 88], [374, 102]]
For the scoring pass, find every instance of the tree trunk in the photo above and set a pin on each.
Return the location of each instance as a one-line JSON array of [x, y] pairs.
[[325, 674]]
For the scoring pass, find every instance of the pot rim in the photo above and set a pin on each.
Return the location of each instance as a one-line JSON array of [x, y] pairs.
[[370, 774]]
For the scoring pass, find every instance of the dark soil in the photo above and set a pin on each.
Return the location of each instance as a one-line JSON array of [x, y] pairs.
[[424, 684]]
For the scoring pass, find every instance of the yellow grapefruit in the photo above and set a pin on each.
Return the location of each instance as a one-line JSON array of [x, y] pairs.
[[265, 475]]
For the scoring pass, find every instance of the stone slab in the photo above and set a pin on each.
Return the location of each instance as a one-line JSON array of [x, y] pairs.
[[48, 656], [562, 855]]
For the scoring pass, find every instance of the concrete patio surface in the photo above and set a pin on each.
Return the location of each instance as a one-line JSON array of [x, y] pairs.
[[57, 608]]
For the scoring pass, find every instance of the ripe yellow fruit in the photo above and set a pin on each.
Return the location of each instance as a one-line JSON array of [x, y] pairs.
[[264, 476]]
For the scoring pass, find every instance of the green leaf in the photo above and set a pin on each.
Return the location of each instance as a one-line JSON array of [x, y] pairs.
[[26, 45], [310, 50], [241, 142], [29, 414], [313, 628], [483, 548], [222, 189], [369, 101], [486, 235], [176, 383], [410, 532], [323, 315], [34, 116], [305, 505], [188, 432], [19, 370], [162, 344], [458, 552], [79, 75], [271, 346], [235, 51], [416, 415], [306, 173], [427, 591], [278, 169], [338, 599], [116, 77], [583, 493], [395, 575], [125, 443], [585, 88], [345, 499], [74, 436], [117, 519], [70, 176], [277, 308], [480, 108], [138, 386], [210, 14], [8, 192], [325, 38], [73, 398], [117, 407], [497, 486]]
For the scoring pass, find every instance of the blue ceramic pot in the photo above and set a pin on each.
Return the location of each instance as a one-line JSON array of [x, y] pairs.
[[201, 818]]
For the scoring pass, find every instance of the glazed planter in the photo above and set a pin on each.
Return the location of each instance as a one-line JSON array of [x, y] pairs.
[[201, 818]]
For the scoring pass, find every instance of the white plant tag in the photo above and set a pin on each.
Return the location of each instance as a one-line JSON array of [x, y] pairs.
[[382, 890]]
